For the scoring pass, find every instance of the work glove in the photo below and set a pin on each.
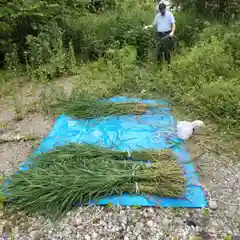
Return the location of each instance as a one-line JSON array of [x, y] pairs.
[[147, 27]]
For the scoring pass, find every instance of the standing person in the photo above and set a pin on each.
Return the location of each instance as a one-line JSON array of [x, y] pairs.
[[165, 25]]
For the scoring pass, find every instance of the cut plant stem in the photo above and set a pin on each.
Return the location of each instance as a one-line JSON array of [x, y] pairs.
[[86, 109], [79, 173], [70, 151]]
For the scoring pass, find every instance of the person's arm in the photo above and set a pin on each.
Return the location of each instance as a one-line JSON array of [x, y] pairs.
[[173, 29], [154, 23], [173, 24]]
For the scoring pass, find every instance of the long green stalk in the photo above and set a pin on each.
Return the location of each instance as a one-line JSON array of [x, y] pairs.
[[87, 109], [56, 182], [70, 151]]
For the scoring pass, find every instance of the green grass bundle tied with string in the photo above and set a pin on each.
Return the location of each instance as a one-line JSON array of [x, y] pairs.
[[60, 178], [73, 151], [86, 109]]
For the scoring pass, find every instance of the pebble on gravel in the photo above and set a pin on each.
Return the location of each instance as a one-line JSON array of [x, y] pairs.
[[178, 220], [213, 205], [150, 223], [87, 237], [36, 235], [165, 222], [94, 235], [126, 238]]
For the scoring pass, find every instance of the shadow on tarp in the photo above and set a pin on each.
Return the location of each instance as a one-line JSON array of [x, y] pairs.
[[153, 130]]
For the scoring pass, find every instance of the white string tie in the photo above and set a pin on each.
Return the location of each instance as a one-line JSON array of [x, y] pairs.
[[137, 188]]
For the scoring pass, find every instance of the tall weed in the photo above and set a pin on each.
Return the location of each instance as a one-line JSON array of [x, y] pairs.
[[46, 56], [204, 79]]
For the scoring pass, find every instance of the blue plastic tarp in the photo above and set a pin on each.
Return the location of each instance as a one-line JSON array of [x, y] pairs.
[[153, 130]]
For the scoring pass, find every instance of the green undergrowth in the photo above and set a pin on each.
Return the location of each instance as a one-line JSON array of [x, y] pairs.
[[52, 45], [203, 82], [206, 79]]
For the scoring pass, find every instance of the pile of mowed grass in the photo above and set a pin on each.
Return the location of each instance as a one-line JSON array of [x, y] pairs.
[[80, 173], [78, 107]]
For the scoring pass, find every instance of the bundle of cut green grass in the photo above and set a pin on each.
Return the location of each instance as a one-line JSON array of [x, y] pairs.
[[87, 109], [73, 152], [60, 178]]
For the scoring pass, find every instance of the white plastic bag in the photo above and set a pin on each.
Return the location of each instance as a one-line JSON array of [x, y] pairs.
[[186, 129]]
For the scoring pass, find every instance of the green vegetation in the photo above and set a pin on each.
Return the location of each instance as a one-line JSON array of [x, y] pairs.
[[2, 198], [223, 10], [78, 173], [103, 50], [78, 107], [228, 238]]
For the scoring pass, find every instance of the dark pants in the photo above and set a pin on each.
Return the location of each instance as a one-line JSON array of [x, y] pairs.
[[161, 48]]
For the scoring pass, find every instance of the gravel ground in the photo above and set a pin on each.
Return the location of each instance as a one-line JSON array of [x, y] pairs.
[[218, 175], [142, 223]]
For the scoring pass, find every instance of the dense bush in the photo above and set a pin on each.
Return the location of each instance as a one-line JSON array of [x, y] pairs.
[[220, 9], [91, 33], [20, 18], [232, 43], [189, 25], [221, 99], [206, 78]]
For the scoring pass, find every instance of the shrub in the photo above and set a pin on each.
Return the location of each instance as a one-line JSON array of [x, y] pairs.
[[220, 9], [46, 56], [221, 98], [232, 43], [91, 34], [188, 27], [206, 81], [199, 65], [229, 34], [94, 34]]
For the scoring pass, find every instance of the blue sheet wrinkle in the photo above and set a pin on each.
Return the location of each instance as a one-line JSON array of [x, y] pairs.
[[154, 130]]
